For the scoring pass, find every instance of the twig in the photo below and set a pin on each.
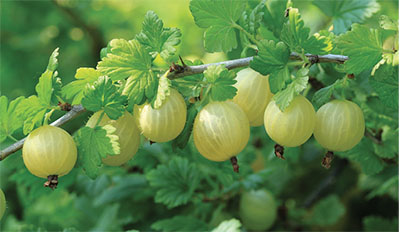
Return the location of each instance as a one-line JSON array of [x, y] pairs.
[[75, 111], [243, 62], [187, 71]]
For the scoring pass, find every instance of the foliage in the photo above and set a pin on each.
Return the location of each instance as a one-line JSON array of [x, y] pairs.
[[170, 186]]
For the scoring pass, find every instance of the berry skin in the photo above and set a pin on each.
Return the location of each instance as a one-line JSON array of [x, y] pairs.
[[257, 209], [253, 95], [221, 130], [339, 126], [166, 122], [2, 203], [292, 127], [128, 136], [49, 150]]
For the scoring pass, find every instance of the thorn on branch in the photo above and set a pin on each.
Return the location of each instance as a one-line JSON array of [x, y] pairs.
[[52, 182], [64, 106], [235, 164], [327, 160], [183, 63], [313, 59], [279, 150], [176, 68]]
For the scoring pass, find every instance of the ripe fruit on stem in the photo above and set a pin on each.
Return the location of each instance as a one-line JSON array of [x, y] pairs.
[[128, 136], [221, 130], [339, 126], [253, 95], [2, 204], [292, 127], [49, 152], [165, 123], [257, 209]]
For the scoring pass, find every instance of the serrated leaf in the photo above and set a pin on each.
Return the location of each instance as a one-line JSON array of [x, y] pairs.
[[251, 19], [376, 223], [284, 97], [103, 95], [221, 82], [232, 225], [175, 182], [183, 138], [297, 36], [324, 95], [130, 59], [363, 46], [274, 18], [271, 57], [156, 38], [94, 144], [9, 116], [363, 154], [390, 186], [386, 83], [163, 91], [75, 89], [219, 18], [346, 12], [180, 223], [189, 86], [327, 211], [49, 86], [388, 24], [32, 113]]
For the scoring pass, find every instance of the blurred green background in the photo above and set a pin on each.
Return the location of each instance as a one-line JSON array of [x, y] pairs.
[[120, 198]]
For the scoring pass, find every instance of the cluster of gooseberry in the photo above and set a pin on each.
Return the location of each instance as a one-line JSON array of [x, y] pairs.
[[221, 130]]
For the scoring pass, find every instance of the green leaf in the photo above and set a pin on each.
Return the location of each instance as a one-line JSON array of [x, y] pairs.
[[75, 89], [297, 36], [163, 91], [94, 144], [272, 59], [274, 18], [232, 225], [9, 119], [32, 113], [327, 211], [324, 95], [219, 18], [390, 186], [363, 45], [180, 223], [183, 138], [363, 154], [284, 97], [251, 19], [175, 182], [103, 95], [386, 84], [49, 86], [221, 82], [130, 59], [376, 223], [388, 24], [189, 86], [158, 39], [346, 12]]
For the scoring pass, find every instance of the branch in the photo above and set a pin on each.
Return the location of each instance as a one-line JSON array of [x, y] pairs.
[[186, 71], [243, 62], [75, 111]]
